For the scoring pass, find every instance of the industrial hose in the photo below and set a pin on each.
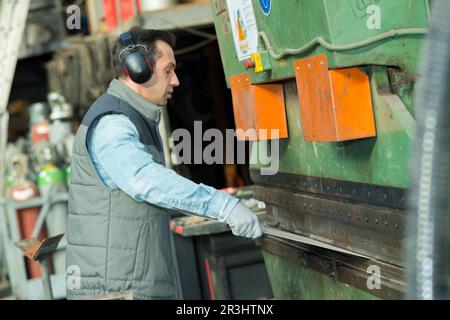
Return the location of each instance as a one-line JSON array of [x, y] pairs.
[[428, 268], [336, 47]]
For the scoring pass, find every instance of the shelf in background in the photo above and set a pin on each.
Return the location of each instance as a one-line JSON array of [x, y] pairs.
[[173, 18]]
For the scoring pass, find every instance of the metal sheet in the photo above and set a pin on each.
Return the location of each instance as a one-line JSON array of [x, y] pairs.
[[310, 241]]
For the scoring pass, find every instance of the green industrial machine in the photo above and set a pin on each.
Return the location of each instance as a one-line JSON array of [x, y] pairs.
[[336, 79]]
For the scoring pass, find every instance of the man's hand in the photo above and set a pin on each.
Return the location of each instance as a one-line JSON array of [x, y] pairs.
[[244, 223]]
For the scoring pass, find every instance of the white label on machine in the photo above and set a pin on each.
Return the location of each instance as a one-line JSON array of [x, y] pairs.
[[243, 25]]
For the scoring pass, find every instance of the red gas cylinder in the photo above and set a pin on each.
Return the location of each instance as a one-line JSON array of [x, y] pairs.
[[23, 190], [39, 131]]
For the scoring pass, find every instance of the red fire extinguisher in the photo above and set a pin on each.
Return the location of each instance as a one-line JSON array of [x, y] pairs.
[[23, 190]]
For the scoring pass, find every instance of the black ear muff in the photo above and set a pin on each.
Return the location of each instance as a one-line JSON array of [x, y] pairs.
[[134, 59], [138, 67], [149, 64]]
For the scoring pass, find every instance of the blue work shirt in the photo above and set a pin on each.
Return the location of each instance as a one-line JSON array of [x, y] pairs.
[[122, 161]]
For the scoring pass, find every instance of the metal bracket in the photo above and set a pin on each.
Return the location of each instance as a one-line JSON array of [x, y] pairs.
[[40, 250], [346, 190]]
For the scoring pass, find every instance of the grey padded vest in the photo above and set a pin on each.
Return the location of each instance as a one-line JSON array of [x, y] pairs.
[[117, 243]]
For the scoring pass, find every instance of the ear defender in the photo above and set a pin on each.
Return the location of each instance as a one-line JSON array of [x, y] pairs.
[[134, 59]]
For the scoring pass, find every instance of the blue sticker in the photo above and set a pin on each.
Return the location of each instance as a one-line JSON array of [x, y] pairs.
[[266, 6]]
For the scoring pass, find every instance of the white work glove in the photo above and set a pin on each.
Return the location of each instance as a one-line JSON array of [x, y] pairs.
[[244, 223]]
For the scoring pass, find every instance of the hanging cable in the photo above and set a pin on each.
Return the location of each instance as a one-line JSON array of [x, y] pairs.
[[282, 52]]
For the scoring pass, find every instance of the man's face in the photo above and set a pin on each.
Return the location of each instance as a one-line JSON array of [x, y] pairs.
[[159, 88]]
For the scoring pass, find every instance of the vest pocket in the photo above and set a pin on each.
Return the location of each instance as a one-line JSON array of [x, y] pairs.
[[140, 252], [154, 269]]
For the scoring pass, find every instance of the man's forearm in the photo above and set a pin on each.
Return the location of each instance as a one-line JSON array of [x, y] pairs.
[[116, 146]]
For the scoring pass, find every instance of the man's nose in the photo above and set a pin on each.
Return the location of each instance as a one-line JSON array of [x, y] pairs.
[[174, 81]]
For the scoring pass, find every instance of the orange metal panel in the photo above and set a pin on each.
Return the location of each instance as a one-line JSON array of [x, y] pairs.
[[270, 111], [335, 105], [315, 98], [243, 106], [353, 104], [258, 107]]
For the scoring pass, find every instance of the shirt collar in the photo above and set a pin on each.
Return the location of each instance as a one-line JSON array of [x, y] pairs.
[[120, 90]]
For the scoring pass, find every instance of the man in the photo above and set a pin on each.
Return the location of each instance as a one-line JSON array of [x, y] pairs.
[[120, 191]]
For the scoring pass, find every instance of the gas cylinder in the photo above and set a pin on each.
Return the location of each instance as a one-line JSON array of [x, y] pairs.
[[52, 180], [39, 115], [14, 156], [61, 134], [40, 132], [42, 153]]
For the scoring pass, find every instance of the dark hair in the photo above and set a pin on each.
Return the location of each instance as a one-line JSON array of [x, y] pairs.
[[146, 37]]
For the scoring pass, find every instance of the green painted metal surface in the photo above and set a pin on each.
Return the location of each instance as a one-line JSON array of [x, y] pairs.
[[293, 24], [291, 281], [383, 160]]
